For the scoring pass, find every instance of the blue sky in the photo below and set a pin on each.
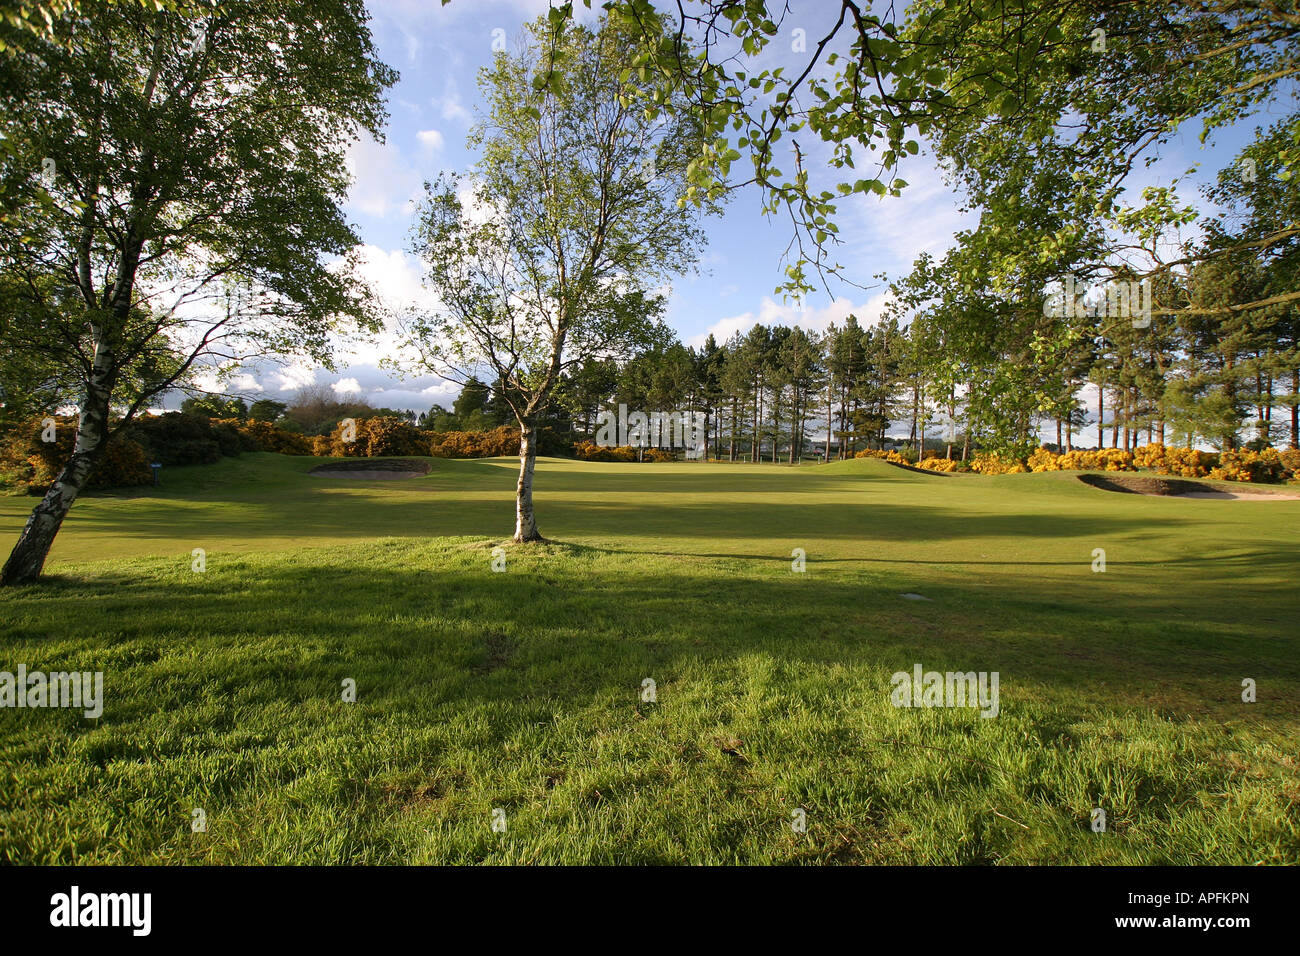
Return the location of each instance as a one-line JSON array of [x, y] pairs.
[[439, 50]]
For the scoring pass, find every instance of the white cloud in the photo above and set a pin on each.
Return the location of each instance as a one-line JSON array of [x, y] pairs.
[[412, 46], [923, 218], [770, 312], [239, 383], [383, 182], [396, 276], [451, 108], [346, 386], [441, 393], [430, 139], [296, 376]]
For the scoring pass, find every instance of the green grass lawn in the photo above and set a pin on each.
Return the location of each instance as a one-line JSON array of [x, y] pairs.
[[520, 690]]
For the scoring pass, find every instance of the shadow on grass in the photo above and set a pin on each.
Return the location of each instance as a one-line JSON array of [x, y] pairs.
[[569, 623], [357, 511]]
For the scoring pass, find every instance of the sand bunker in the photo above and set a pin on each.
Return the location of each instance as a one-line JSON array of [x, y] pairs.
[[372, 469], [1181, 488]]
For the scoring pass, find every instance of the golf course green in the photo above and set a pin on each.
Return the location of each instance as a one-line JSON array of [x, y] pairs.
[[516, 696]]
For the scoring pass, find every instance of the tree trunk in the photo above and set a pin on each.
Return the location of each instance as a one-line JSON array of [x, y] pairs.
[[829, 407], [1128, 415], [28, 556], [776, 425], [1295, 409], [794, 422], [1115, 413], [731, 448], [1101, 414], [525, 521], [916, 414], [844, 418]]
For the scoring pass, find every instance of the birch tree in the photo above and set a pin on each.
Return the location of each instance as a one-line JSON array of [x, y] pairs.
[[171, 190], [550, 253]]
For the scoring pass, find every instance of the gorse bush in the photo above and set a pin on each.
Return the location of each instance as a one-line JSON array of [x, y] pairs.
[[264, 436], [590, 451], [1180, 462], [1246, 465], [377, 437], [500, 441], [31, 463], [996, 465], [1105, 459], [883, 455], [177, 438], [943, 465], [1290, 461], [1267, 465]]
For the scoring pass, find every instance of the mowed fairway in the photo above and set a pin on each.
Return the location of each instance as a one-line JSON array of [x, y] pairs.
[[521, 690]]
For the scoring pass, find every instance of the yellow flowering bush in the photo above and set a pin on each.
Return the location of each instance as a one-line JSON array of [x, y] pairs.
[[1149, 456], [929, 464], [1182, 462], [590, 451], [891, 455], [1246, 465], [1105, 459], [1291, 462], [996, 465], [1044, 460], [1267, 465], [943, 465], [266, 437]]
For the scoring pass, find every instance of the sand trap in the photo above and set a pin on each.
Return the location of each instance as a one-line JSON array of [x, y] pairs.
[[1235, 496], [372, 469], [1180, 488]]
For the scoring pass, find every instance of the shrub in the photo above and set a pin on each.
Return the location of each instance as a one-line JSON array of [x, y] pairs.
[[944, 465], [1180, 462], [1247, 465], [991, 464], [500, 442], [1290, 461], [590, 451], [393, 436], [883, 455], [263, 436], [1106, 459], [1044, 460], [180, 439], [929, 464], [33, 464], [377, 437], [228, 438]]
